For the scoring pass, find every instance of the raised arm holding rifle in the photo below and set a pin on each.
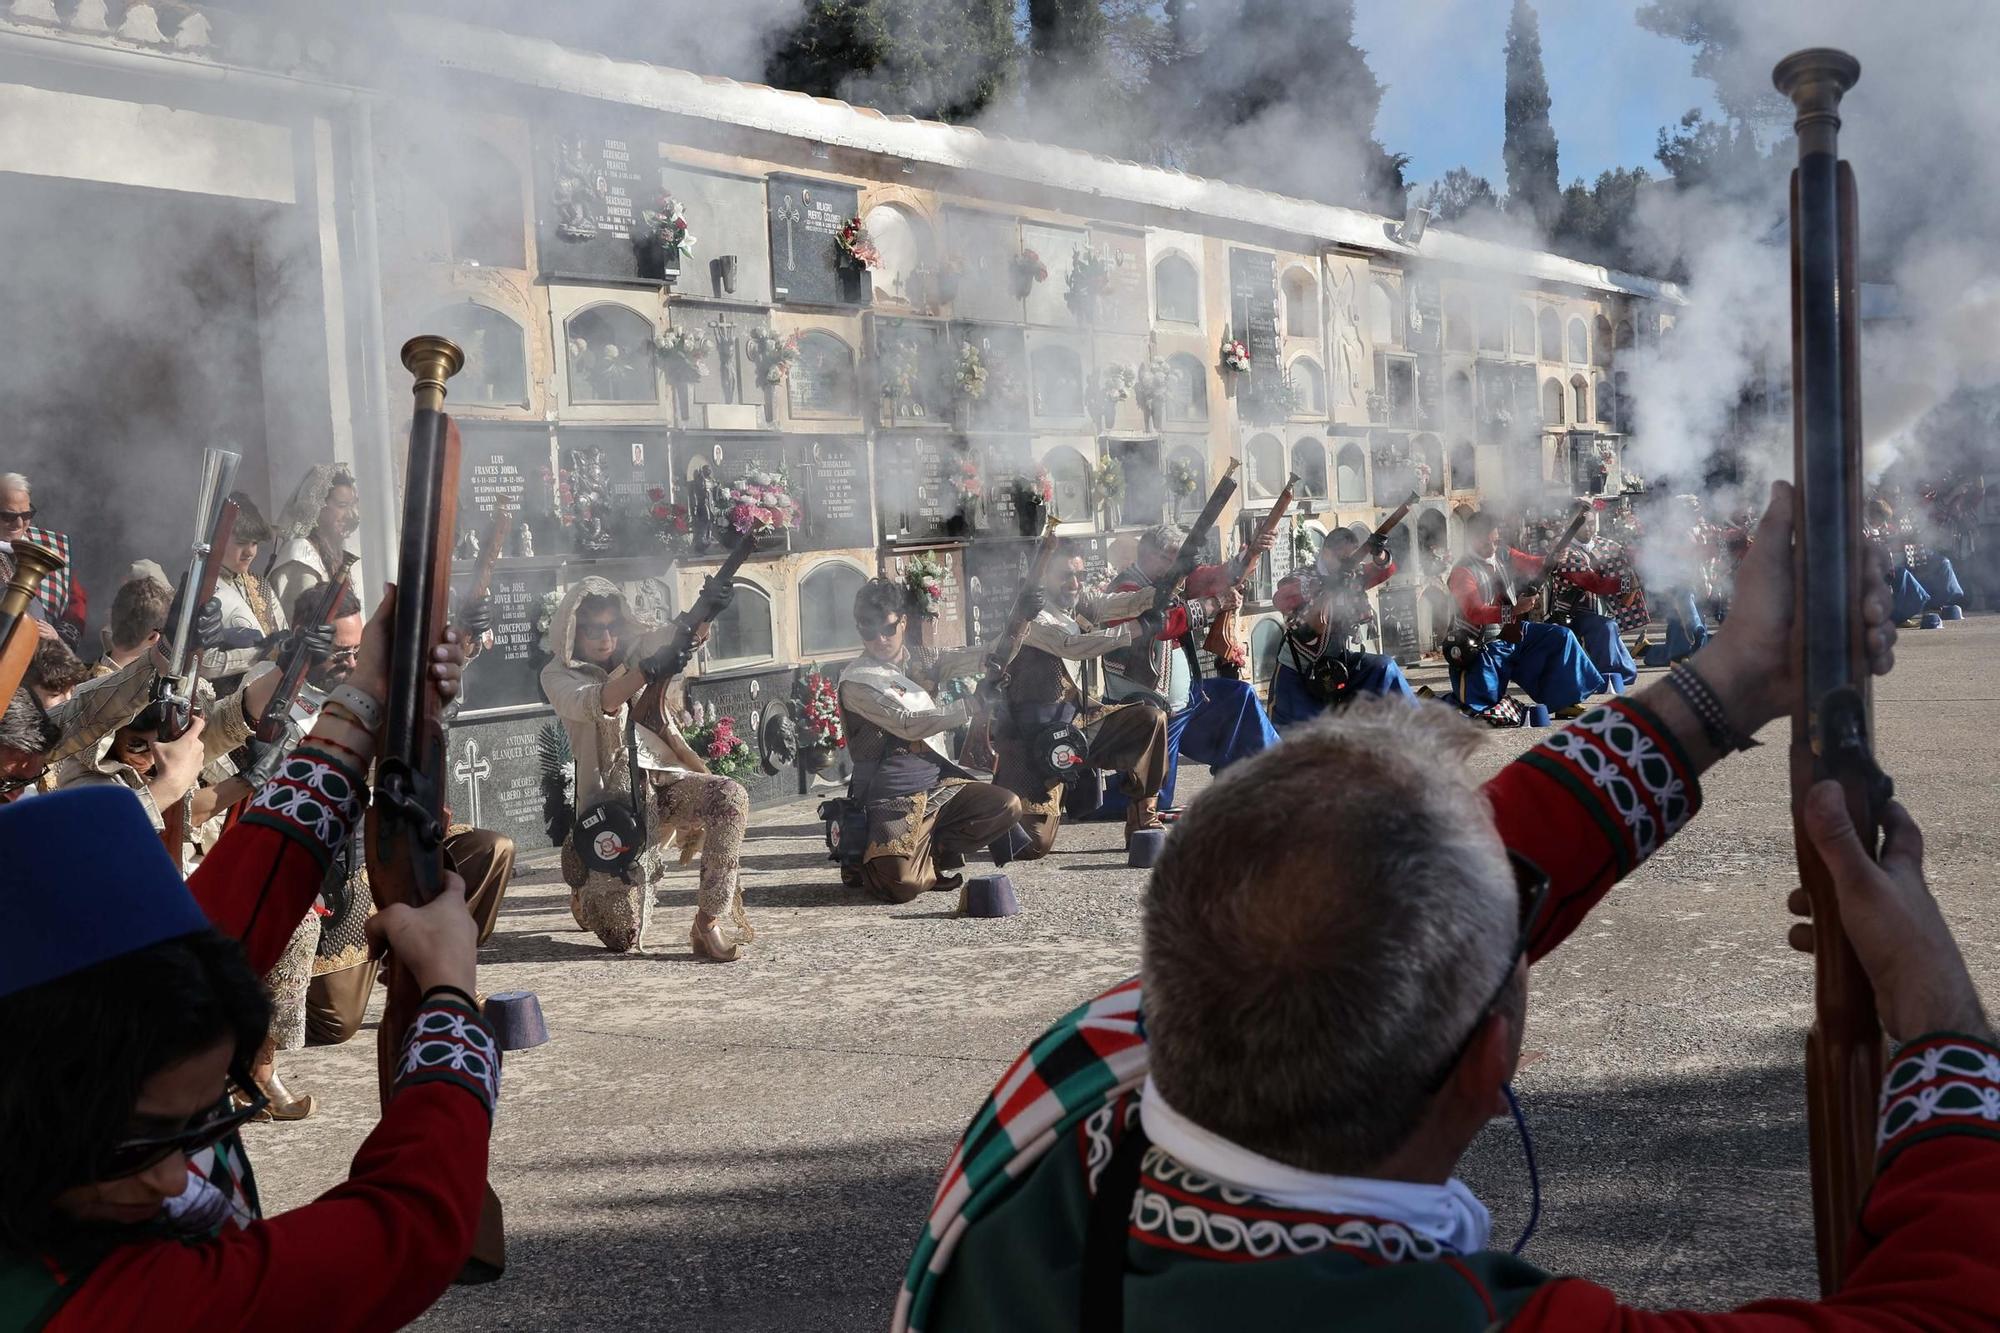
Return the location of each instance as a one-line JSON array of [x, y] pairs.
[[1214, 720], [1495, 638], [640, 787], [1221, 641], [1319, 666], [1052, 729]]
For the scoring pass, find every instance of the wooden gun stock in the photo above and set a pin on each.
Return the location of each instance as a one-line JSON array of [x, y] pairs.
[[1221, 639], [298, 661]]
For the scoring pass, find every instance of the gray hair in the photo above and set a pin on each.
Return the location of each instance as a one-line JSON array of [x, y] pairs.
[[14, 481], [1325, 925], [1165, 538]]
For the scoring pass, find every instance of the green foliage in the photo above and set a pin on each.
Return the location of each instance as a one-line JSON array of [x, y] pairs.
[[1460, 194], [904, 57], [1706, 152], [1066, 40], [1598, 224], [1714, 29], [1534, 182]]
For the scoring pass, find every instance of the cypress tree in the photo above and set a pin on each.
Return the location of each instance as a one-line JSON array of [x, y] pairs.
[[905, 57], [1065, 41], [1534, 183]]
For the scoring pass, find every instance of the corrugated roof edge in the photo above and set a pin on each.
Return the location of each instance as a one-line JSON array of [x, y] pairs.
[[541, 63]]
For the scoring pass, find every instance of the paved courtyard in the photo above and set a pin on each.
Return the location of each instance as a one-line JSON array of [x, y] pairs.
[[752, 1147]]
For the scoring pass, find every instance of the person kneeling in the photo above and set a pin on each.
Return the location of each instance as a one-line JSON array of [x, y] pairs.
[[595, 684], [1046, 694], [1545, 660], [1319, 666], [923, 809]]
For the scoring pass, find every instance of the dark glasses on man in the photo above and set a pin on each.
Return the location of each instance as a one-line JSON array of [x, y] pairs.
[[17, 515], [134, 1155], [1533, 887], [8, 786], [881, 629]]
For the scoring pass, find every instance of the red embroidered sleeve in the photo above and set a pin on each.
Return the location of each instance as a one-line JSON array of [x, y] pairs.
[[262, 877], [1208, 581], [1472, 606], [1589, 804], [1378, 575], [1288, 596], [395, 1233], [1927, 1252], [1593, 581], [1528, 565], [1178, 622]]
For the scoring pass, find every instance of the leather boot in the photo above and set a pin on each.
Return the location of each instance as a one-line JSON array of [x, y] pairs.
[[709, 944], [1142, 812]]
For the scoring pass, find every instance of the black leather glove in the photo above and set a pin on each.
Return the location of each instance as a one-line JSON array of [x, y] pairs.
[[243, 636], [479, 618], [714, 597], [669, 662], [207, 626], [317, 639], [1152, 623], [1033, 602]]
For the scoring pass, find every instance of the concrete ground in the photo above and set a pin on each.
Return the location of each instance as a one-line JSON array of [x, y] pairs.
[[753, 1147]]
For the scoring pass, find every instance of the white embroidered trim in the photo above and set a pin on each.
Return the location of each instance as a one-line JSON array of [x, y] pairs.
[[316, 796], [441, 1038], [1259, 1238]]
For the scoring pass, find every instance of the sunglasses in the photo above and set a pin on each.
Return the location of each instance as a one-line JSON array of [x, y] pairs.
[[342, 657], [608, 629], [132, 1156], [882, 630], [17, 515], [8, 786], [1532, 884]]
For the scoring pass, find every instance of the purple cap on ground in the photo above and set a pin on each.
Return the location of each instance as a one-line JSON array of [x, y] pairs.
[[1145, 848], [988, 896], [516, 1016]]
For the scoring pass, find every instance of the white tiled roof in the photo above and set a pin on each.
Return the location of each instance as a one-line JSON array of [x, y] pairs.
[[545, 64]]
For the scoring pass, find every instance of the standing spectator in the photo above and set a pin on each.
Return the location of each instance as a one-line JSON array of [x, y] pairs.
[[323, 513], [62, 596], [138, 617]]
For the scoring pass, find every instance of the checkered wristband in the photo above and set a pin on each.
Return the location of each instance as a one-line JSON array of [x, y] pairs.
[[1707, 709]]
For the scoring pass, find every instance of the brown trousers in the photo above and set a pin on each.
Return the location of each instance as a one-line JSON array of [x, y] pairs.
[[1127, 739], [336, 1002], [974, 815]]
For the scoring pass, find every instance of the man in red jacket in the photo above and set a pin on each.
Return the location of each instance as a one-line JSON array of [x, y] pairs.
[[1263, 1129]]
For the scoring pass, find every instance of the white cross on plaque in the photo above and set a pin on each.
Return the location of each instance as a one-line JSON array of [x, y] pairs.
[[788, 213], [472, 770]]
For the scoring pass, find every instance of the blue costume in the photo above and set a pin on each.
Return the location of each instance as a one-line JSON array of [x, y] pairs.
[[1580, 595], [1549, 663], [1294, 698]]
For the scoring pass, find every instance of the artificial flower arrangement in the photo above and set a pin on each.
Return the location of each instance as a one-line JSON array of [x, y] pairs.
[[1090, 279], [819, 709], [683, 353], [670, 521], [773, 354], [1180, 478], [1028, 269], [1039, 489], [857, 247], [712, 735], [969, 374], [967, 483], [668, 221], [558, 480], [1235, 353], [758, 502], [1117, 381], [1150, 382], [924, 576], [1109, 481]]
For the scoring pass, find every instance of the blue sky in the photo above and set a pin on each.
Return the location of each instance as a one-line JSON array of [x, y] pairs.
[[1612, 84]]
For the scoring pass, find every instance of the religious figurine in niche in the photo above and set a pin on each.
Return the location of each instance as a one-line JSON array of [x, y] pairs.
[[524, 540], [727, 343], [578, 193], [467, 547], [701, 507], [1348, 352], [593, 501]]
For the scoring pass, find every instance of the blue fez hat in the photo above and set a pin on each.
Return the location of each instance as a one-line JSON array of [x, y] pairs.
[[84, 878]]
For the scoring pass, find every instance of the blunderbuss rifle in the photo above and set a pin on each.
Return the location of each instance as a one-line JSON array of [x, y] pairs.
[[1510, 624], [1221, 640], [277, 719], [1830, 716], [978, 749], [174, 700], [1188, 558], [18, 635], [708, 603], [406, 821], [1325, 670]]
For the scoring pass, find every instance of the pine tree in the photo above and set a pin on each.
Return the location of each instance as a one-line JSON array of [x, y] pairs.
[[906, 57], [1065, 42], [1534, 183]]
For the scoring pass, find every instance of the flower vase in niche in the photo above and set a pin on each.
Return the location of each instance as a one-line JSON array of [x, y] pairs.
[[774, 355], [1026, 269], [662, 241], [924, 577], [1032, 498], [857, 254], [970, 490], [683, 354], [591, 529]]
